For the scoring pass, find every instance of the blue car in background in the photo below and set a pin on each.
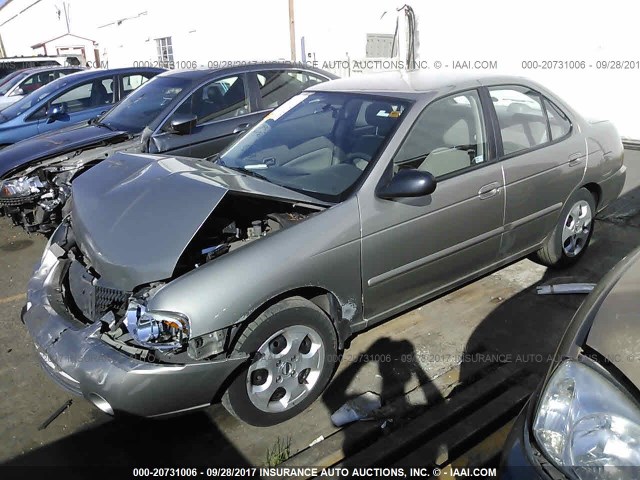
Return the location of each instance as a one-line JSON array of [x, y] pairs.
[[69, 100]]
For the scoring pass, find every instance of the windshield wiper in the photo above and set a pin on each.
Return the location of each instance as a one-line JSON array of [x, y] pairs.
[[249, 172], [100, 124], [213, 158]]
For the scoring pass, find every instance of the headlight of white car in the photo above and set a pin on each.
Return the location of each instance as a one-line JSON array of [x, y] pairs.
[[584, 423], [20, 187]]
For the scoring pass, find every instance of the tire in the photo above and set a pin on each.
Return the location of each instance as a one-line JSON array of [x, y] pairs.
[[575, 224], [294, 345]]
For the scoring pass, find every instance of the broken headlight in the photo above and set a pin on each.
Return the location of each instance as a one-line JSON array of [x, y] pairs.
[[20, 187], [587, 425], [162, 330]]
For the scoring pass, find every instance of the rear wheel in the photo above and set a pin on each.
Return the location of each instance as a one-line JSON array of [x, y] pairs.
[[570, 239], [294, 348]]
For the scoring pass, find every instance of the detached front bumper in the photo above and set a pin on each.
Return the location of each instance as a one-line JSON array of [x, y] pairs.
[[72, 353]]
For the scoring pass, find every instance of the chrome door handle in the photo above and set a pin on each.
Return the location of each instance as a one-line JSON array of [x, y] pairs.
[[241, 128], [489, 190]]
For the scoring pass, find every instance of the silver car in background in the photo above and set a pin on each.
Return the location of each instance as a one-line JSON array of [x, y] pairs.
[[23, 82], [176, 282]]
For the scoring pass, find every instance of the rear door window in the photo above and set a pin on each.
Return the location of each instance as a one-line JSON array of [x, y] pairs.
[[218, 100], [522, 120], [278, 86], [559, 123], [130, 82]]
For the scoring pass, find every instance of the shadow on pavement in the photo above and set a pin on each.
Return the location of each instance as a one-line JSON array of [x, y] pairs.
[[188, 440], [524, 329], [527, 328], [397, 365]]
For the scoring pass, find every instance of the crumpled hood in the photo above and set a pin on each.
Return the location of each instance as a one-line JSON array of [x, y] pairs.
[[54, 143], [615, 332], [133, 215]]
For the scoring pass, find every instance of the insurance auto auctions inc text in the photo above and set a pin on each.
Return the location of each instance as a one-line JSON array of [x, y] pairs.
[[375, 472], [402, 65]]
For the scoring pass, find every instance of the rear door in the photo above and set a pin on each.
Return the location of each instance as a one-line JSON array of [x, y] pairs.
[[543, 159], [223, 110]]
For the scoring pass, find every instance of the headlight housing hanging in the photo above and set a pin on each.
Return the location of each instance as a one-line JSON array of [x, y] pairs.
[[20, 187], [161, 330], [586, 425]]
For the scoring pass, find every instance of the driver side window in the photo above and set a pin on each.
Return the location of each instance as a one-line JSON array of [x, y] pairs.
[[217, 100], [92, 94], [448, 136]]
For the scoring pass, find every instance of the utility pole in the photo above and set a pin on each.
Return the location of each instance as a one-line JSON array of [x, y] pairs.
[[66, 15], [292, 31]]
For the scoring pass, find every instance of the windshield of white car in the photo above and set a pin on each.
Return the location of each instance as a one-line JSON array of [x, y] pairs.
[[318, 143], [143, 105]]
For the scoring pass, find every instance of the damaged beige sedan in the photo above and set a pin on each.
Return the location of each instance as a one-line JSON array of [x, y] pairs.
[[177, 282]]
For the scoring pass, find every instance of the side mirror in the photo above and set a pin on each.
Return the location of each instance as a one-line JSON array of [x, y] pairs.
[[56, 111], [184, 124], [408, 183], [18, 91]]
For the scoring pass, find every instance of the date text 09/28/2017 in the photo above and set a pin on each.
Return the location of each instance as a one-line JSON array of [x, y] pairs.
[[580, 64]]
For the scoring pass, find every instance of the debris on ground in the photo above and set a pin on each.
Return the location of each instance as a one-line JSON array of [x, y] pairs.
[[565, 288], [55, 414], [317, 440], [358, 408]]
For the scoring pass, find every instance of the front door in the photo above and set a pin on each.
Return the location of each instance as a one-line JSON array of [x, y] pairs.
[[82, 102], [413, 248]]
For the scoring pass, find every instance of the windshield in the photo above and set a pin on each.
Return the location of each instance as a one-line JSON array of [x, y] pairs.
[[143, 105], [318, 143], [8, 82], [32, 99]]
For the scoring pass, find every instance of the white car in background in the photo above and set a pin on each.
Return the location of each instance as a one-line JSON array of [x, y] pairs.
[[23, 82]]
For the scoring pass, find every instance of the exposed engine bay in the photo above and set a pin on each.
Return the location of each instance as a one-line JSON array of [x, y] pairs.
[[238, 221], [38, 198]]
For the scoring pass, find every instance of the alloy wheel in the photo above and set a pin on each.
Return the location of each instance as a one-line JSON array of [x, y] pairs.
[[576, 228], [287, 367]]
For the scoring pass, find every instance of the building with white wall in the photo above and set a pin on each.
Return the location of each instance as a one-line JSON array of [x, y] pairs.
[[584, 51]]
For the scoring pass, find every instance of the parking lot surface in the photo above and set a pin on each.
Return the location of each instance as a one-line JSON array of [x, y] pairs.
[[426, 351]]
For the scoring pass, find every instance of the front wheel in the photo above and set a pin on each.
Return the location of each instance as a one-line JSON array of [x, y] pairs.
[[571, 236], [294, 348]]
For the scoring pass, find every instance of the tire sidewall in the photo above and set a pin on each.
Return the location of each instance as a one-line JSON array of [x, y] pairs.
[[295, 315], [558, 254]]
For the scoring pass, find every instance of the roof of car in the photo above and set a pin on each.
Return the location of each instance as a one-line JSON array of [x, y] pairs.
[[413, 81], [242, 67], [31, 70], [99, 71]]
